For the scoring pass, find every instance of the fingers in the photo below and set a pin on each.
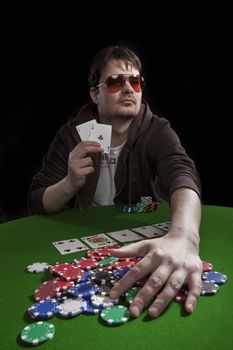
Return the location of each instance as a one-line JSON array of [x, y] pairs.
[[171, 287], [138, 271], [134, 249], [86, 147], [194, 292]]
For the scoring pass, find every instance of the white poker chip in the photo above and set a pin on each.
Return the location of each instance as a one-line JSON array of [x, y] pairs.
[[72, 307], [38, 267], [102, 301]]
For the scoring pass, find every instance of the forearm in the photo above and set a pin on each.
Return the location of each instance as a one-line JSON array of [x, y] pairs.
[[186, 214], [57, 196]]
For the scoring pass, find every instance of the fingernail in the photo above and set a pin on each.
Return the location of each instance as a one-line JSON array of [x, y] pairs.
[[113, 294], [154, 312], [190, 307], [135, 311]]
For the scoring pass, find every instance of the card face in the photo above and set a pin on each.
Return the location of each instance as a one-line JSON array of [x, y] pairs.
[[93, 131], [125, 236], [98, 241], [84, 129], [70, 246], [102, 133], [149, 231], [163, 226]]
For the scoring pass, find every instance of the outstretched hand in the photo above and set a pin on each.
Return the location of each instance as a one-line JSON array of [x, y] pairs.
[[170, 262]]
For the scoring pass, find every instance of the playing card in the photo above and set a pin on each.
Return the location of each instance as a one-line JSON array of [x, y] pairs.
[[102, 133], [98, 241], [84, 130], [163, 226], [70, 246], [149, 231], [125, 236]]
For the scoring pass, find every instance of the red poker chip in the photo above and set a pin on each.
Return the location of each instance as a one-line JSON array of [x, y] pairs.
[[86, 264], [59, 267], [46, 290], [181, 296], [74, 273]]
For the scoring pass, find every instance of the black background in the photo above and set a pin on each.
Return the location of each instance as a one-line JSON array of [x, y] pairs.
[[188, 81]]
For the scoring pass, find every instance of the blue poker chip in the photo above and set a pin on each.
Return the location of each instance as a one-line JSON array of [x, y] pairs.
[[44, 309], [215, 277], [86, 276], [84, 290], [90, 309], [120, 272]]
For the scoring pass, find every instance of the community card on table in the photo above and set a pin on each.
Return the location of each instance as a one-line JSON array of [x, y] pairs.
[[68, 246], [125, 236], [149, 231], [98, 241], [163, 226]]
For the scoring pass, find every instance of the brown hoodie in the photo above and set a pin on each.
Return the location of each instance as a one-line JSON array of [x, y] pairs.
[[151, 163]]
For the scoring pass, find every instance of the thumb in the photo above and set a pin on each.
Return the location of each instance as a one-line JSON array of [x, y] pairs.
[[134, 249]]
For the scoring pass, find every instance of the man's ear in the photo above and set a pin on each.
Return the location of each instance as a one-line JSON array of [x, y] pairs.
[[93, 95]]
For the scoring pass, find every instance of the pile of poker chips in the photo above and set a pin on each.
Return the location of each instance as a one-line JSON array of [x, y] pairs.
[[83, 286], [146, 205]]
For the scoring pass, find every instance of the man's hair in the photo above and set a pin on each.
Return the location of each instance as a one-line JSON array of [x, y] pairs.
[[110, 53]]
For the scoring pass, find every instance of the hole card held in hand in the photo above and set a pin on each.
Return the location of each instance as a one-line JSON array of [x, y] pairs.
[[93, 131]]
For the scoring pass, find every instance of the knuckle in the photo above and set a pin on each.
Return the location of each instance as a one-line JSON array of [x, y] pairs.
[[175, 284], [155, 281], [136, 270]]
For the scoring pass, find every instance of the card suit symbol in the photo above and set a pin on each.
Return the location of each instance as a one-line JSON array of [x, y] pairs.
[[72, 240], [78, 248], [60, 243], [124, 234], [67, 250], [100, 138]]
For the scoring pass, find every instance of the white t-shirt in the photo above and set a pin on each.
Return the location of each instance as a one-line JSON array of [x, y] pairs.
[[106, 190]]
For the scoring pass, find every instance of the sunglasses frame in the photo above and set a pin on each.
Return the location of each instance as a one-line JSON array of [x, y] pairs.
[[114, 78]]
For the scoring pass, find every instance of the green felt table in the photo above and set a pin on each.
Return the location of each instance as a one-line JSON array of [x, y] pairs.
[[29, 240]]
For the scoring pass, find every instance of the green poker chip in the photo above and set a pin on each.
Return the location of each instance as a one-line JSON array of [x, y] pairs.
[[108, 261], [115, 315], [37, 333], [131, 294]]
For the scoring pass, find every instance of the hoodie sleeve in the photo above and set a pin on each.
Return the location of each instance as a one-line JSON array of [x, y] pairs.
[[173, 167], [54, 168]]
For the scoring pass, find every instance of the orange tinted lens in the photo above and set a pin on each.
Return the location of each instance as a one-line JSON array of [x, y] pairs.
[[115, 84], [135, 82]]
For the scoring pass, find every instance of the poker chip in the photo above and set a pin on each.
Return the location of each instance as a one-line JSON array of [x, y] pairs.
[[215, 277], [46, 290], [101, 276], [86, 264], [44, 309], [89, 308], [209, 288], [73, 273], [59, 267], [37, 333], [108, 261], [103, 301], [207, 266], [131, 294], [104, 289], [115, 315], [38, 267], [72, 307], [84, 290]]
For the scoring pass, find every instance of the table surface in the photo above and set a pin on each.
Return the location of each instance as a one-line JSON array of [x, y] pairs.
[[29, 240]]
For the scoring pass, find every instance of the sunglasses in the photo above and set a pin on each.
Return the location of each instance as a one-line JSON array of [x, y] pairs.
[[116, 82]]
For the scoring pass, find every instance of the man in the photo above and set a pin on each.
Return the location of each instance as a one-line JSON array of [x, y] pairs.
[[150, 161]]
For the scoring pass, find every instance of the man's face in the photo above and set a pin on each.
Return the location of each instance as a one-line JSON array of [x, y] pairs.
[[124, 103]]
